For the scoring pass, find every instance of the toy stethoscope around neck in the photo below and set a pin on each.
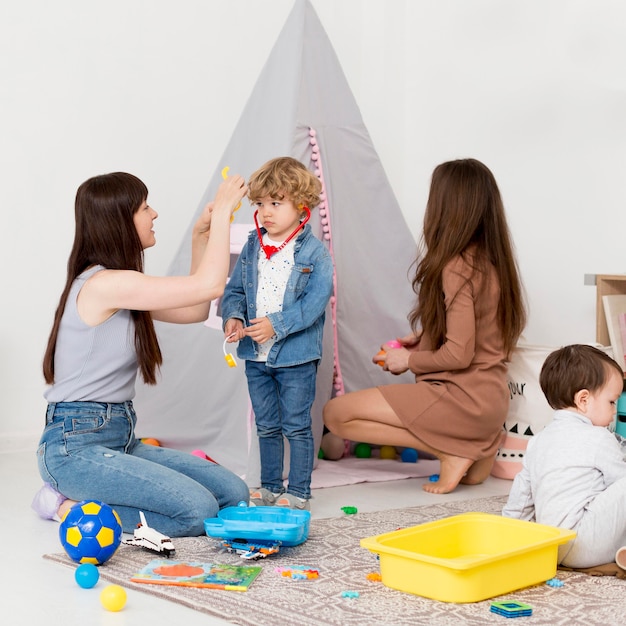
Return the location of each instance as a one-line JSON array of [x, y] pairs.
[[270, 250]]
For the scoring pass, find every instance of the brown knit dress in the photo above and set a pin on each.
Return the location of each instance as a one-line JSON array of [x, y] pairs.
[[460, 398]]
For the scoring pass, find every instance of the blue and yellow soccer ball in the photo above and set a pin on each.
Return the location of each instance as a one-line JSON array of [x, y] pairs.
[[90, 532]]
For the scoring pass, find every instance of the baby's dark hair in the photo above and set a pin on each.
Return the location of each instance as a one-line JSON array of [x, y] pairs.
[[285, 177], [569, 369]]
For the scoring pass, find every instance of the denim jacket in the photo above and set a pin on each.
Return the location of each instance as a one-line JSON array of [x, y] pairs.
[[299, 326]]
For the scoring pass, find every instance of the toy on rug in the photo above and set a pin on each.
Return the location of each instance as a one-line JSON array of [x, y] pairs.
[[256, 532], [197, 574], [149, 538], [248, 550], [349, 510], [511, 608], [297, 572], [90, 532]]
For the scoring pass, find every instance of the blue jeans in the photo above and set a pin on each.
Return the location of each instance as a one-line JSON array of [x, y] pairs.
[[88, 450], [281, 399]]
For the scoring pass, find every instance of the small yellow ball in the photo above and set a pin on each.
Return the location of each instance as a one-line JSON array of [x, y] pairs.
[[387, 452], [113, 598]]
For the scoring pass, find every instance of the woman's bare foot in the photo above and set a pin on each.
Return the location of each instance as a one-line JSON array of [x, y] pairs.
[[478, 472], [451, 471]]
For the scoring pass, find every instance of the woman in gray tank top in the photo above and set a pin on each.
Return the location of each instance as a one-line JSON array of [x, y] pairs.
[[103, 334]]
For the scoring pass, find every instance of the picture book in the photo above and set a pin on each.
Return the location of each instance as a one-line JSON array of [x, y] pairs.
[[195, 574]]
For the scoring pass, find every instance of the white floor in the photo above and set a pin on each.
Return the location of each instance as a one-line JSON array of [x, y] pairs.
[[34, 590]]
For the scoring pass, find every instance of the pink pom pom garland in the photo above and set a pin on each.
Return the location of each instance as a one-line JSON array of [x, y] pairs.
[[324, 209]]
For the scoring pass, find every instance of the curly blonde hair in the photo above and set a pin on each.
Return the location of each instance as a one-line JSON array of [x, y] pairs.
[[285, 177]]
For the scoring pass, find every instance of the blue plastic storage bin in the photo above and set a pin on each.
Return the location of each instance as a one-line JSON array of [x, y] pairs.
[[272, 523]]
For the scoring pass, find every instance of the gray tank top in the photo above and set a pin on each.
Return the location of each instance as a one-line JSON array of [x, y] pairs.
[[93, 363]]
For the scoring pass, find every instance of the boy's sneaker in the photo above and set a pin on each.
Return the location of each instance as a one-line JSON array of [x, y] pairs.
[[47, 501], [263, 497], [289, 501]]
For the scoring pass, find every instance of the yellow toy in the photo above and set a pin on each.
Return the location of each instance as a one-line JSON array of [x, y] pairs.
[[228, 357], [232, 219]]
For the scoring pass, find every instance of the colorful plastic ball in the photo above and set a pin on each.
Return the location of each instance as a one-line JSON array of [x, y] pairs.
[[409, 455], [151, 442], [332, 446], [90, 532], [387, 452], [393, 343], [86, 575], [113, 598], [201, 454], [380, 353], [363, 451]]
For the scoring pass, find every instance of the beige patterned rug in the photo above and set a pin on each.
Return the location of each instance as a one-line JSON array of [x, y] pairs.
[[333, 548]]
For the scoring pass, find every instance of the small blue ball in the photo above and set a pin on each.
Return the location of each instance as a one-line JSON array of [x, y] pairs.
[[87, 575], [409, 455]]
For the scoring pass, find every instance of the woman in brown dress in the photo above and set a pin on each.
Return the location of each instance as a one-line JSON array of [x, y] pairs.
[[468, 316]]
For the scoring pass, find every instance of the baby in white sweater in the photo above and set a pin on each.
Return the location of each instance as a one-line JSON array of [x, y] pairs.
[[574, 473]]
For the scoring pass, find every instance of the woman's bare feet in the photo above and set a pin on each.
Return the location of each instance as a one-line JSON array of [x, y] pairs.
[[451, 471], [478, 472]]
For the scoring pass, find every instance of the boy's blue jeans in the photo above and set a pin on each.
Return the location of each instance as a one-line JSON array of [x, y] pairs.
[[88, 451], [281, 399]]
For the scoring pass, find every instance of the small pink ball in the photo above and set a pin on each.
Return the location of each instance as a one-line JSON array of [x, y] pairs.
[[393, 344]]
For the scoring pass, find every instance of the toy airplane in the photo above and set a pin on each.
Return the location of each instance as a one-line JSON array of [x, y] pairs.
[[251, 549], [151, 539]]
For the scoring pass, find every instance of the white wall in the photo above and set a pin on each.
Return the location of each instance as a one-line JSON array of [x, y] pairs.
[[535, 89]]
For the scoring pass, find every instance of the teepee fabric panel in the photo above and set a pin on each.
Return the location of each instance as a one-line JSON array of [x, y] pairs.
[[200, 402]]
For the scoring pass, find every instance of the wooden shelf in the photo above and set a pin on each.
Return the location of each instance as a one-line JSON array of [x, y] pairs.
[[606, 285]]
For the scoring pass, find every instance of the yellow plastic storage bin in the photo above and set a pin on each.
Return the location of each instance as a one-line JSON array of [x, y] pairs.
[[468, 557]]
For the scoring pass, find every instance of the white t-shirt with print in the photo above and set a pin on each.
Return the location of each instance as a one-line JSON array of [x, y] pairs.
[[273, 274]]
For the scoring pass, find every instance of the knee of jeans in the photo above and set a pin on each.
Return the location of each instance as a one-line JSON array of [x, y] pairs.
[[193, 523], [239, 493], [300, 433], [269, 431]]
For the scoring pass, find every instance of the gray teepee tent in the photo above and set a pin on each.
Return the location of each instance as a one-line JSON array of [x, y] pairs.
[[201, 402]]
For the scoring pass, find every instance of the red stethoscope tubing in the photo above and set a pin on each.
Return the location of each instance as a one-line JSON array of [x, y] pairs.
[[269, 250]]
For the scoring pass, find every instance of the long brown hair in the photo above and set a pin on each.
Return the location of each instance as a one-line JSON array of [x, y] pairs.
[[465, 212], [105, 234]]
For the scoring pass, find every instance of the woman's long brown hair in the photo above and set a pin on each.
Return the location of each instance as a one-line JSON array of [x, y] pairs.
[[465, 212], [105, 234]]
